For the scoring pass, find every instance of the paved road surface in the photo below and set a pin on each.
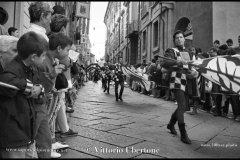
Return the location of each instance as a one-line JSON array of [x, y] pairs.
[[136, 128]]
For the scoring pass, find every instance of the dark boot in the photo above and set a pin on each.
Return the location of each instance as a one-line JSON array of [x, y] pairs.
[[171, 124], [158, 93], [184, 136], [120, 98]]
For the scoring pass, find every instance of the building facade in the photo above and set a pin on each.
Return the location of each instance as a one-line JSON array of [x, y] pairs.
[[155, 29], [150, 26], [18, 15], [115, 21]]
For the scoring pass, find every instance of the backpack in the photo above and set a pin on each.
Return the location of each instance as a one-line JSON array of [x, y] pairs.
[[74, 69], [61, 82]]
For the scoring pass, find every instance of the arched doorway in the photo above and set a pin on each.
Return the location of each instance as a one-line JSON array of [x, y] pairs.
[[184, 24]]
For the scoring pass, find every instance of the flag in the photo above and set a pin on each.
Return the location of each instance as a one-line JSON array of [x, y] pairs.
[[222, 70], [73, 55], [83, 10], [84, 26], [143, 80]]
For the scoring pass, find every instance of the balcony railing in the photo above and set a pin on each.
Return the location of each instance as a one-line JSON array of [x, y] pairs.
[[132, 28]]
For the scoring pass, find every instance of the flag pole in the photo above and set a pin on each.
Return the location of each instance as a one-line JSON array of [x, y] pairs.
[[167, 58], [8, 86]]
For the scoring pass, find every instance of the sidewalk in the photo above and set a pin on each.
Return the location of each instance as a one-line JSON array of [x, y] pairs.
[[136, 128]]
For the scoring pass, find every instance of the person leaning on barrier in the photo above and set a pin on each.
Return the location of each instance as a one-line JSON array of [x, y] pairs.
[[40, 17], [17, 107]]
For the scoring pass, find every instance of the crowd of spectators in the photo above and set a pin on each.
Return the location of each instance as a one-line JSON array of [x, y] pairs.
[[46, 81], [202, 93]]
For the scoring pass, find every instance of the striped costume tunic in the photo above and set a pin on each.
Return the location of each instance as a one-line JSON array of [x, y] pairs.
[[119, 76], [178, 78]]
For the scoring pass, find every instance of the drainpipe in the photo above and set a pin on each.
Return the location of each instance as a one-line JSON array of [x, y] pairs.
[[14, 14], [127, 34], [119, 38], [139, 38], [163, 26]]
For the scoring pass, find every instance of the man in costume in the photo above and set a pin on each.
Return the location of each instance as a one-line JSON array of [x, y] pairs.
[[119, 79], [107, 78], [178, 83]]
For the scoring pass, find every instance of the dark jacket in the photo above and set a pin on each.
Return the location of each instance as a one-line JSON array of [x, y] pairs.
[[48, 69], [152, 71], [17, 115]]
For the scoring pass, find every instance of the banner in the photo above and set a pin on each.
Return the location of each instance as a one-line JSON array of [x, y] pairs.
[[222, 70], [83, 39], [143, 80], [73, 55], [83, 10]]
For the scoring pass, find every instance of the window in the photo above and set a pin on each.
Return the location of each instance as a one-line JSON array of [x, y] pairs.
[[150, 3], [144, 41], [155, 34], [143, 8]]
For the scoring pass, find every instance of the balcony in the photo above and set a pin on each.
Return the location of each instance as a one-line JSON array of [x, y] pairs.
[[132, 29]]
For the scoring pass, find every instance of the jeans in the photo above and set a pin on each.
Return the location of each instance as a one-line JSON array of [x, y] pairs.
[[218, 102], [234, 100], [107, 84], [103, 82], [52, 108], [43, 135], [208, 102], [61, 115]]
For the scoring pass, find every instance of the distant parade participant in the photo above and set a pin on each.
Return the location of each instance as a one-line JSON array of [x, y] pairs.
[[102, 74], [119, 79], [178, 83], [107, 79], [96, 75]]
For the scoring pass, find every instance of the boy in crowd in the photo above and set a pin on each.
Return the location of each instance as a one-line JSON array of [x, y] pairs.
[[12, 31], [59, 45], [17, 107], [229, 43]]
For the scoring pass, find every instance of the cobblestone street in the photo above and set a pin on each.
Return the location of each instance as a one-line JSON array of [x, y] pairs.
[[136, 128]]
